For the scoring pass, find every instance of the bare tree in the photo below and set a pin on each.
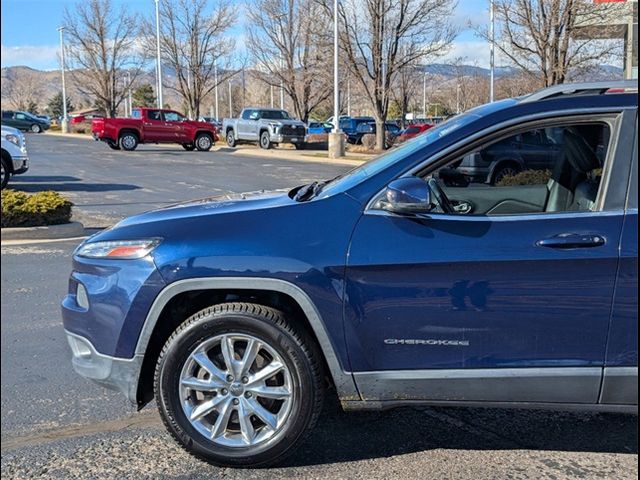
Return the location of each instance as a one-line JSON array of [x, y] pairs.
[[102, 44], [194, 44], [24, 91], [541, 37], [407, 83], [287, 39], [381, 37]]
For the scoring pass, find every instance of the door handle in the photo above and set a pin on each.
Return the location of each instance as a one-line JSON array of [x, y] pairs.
[[572, 240]]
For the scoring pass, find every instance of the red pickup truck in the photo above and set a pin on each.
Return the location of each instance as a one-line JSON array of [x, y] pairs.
[[152, 125]]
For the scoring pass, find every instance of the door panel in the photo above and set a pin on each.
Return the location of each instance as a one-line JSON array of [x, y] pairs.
[[452, 292], [154, 127]]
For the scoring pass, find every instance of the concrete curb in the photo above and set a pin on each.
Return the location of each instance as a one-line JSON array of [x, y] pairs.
[[66, 230]]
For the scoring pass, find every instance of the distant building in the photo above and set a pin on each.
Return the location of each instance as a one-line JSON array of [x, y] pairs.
[[615, 19]]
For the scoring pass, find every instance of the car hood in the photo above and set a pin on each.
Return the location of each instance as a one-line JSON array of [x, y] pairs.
[[10, 130], [221, 204], [293, 123]]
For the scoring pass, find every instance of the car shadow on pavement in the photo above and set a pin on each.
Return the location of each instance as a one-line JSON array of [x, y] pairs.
[[72, 187], [45, 178], [346, 437]]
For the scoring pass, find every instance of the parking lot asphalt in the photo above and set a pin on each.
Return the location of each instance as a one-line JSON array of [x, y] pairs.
[[58, 425]]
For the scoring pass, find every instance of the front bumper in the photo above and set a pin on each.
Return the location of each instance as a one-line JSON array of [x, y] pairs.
[[20, 164], [280, 138], [119, 374]]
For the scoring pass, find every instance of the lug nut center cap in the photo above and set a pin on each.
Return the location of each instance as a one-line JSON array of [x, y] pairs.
[[236, 389]]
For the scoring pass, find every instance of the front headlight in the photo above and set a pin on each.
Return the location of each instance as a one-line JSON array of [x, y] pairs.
[[15, 139], [119, 249], [275, 126]]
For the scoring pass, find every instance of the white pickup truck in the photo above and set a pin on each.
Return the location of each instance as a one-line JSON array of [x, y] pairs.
[[267, 126], [14, 154]]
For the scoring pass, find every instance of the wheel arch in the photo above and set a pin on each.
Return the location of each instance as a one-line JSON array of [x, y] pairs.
[[183, 298], [122, 131]]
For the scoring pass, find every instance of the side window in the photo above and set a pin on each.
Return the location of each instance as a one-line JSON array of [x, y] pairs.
[[7, 114], [246, 114], [136, 114], [21, 116], [172, 117], [154, 115], [561, 174]]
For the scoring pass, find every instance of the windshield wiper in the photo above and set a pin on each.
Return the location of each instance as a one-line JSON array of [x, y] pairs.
[[307, 192]]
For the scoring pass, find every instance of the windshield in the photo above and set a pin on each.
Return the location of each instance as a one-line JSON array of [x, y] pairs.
[[411, 146], [274, 115]]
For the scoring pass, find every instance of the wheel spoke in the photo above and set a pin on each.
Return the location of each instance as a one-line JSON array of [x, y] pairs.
[[270, 419], [205, 408], [246, 427], [202, 385], [228, 354], [253, 347], [205, 362], [275, 393], [265, 373], [223, 419]]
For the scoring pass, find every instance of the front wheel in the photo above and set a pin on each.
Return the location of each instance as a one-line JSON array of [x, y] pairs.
[[238, 386], [5, 173], [299, 146], [231, 139], [265, 140], [504, 171], [204, 142], [35, 128]]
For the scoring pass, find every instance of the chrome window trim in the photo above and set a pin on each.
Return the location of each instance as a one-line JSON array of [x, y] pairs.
[[437, 158]]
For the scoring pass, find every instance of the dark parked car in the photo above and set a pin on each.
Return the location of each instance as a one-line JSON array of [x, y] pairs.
[[349, 125], [24, 121], [398, 289], [391, 128], [533, 150]]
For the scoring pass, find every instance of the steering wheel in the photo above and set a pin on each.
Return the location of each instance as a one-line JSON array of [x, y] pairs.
[[441, 199]]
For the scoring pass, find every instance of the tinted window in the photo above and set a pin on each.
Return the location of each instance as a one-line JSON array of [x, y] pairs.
[[274, 114], [154, 115], [412, 130], [136, 114], [504, 179], [21, 116], [7, 114]]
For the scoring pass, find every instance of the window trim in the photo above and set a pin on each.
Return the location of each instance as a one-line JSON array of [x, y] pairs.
[[613, 117]]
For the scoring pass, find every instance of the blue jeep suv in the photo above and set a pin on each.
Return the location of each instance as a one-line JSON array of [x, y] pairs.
[[386, 286]]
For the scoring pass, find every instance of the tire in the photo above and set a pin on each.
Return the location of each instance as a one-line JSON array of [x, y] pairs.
[[5, 173], [204, 142], [113, 145], [231, 139], [35, 128], [243, 440], [128, 141], [299, 146], [265, 140], [189, 147], [504, 170]]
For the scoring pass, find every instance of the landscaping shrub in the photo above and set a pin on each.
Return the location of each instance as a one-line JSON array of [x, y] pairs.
[[39, 209], [528, 177]]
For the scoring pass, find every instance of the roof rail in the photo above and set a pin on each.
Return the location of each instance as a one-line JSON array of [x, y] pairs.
[[574, 88]]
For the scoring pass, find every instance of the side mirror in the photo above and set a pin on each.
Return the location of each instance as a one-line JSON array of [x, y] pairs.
[[407, 195]]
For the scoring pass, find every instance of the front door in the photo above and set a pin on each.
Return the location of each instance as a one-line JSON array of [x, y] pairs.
[[508, 301], [154, 127]]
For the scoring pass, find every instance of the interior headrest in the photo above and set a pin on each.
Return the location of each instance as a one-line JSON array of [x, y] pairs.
[[578, 153]]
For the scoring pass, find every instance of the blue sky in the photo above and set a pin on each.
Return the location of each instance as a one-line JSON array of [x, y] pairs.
[[29, 36]]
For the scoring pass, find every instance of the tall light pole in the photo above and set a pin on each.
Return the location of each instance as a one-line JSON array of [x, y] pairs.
[[230, 104], [336, 139], [215, 74], [281, 85], [64, 124], [424, 94], [158, 60], [492, 36], [130, 97]]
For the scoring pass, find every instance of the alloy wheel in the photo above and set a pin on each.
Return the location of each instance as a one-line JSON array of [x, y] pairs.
[[236, 390]]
